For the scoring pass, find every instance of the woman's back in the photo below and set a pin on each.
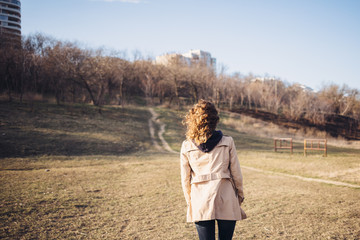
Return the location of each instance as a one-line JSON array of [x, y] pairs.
[[212, 190], [210, 174]]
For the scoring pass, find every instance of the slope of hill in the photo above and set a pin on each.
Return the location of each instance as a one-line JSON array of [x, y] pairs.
[[46, 129], [335, 125], [70, 172]]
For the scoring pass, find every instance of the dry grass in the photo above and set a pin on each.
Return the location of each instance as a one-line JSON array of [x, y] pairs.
[[175, 131], [259, 128], [342, 164], [140, 197], [98, 192], [71, 130], [265, 129], [338, 167]]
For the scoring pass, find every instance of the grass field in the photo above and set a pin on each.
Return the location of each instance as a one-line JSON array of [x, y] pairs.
[[342, 164], [69, 172]]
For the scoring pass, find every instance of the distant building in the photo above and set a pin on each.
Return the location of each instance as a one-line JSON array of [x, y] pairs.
[[10, 20], [171, 58], [191, 57], [201, 56], [297, 86], [261, 79], [303, 87]]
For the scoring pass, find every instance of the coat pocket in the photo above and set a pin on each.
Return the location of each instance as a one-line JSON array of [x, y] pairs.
[[234, 187], [242, 212]]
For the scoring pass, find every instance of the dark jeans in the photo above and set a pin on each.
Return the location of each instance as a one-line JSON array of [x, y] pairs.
[[206, 229]]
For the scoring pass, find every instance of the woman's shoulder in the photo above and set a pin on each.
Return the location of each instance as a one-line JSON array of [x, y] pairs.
[[187, 145], [186, 142], [226, 140], [228, 137]]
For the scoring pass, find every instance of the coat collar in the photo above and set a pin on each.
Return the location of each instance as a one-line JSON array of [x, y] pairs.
[[211, 143], [191, 146]]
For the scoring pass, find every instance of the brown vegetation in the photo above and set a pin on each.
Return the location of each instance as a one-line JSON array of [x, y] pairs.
[[71, 74], [335, 125]]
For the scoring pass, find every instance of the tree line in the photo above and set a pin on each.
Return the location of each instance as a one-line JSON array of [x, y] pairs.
[[72, 74]]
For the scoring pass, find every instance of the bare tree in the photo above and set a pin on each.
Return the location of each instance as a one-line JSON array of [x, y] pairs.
[[350, 99], [333, 96]]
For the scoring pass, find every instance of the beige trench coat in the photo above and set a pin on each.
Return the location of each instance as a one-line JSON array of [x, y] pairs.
[[212, 182]]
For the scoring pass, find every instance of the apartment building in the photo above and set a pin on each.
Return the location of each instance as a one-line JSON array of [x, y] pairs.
[[191, 57], [10, 20]]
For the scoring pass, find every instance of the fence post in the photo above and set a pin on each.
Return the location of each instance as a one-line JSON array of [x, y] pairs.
[[305, 147], [325, 148], [275, 144]]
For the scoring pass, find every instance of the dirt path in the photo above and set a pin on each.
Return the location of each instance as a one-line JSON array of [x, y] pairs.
[[337, 183], [165, 146], [152, 120]]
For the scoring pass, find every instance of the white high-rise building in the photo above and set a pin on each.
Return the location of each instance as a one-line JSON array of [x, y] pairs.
[[201, 56], [10, 19], [191, 57]]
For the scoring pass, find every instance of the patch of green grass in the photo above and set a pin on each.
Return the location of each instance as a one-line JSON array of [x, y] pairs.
[[175, 131], [71, 130]]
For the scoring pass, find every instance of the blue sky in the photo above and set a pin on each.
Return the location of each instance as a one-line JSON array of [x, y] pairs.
[[313, 42]]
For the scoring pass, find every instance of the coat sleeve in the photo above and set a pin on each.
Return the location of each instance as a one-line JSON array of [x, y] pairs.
[[235, 171], [185, 170]]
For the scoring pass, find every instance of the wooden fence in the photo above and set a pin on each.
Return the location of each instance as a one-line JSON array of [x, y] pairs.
[[315, 144], [284, 143]]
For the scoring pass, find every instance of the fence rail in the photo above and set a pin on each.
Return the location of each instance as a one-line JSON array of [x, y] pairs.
[[315, 144], [284, 143]]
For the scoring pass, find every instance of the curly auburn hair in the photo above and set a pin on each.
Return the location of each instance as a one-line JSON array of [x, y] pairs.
[[201, 121]]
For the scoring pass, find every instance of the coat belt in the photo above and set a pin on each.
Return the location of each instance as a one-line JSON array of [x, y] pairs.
[[209, 177]]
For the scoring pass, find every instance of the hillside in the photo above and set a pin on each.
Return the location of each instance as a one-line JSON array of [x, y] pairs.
[[41, 129], [74, 172], [335, 125]]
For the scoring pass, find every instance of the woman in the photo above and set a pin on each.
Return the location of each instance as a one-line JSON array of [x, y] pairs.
[[210, 174]]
